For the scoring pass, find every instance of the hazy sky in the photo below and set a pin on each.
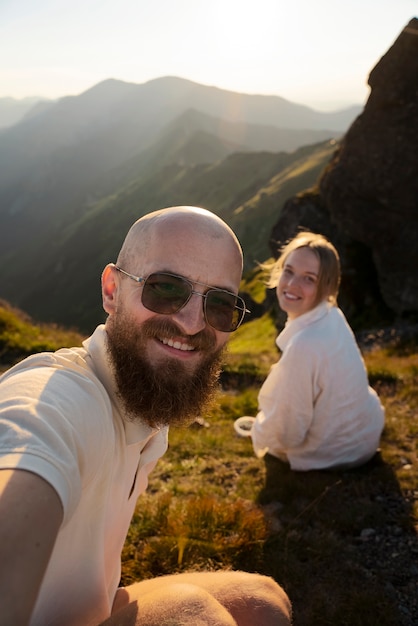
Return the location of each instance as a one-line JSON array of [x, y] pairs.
[[316, 52]]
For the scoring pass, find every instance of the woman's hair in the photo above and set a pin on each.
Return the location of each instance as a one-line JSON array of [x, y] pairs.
[[329, 264]]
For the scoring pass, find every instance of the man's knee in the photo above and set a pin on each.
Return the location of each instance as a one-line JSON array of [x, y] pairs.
[[249, 598], [270, 588], [274, 595], [196, 606], [265, 601], [178, 603]]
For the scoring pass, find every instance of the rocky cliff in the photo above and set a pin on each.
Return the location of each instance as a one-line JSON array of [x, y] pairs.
[[366, 200]]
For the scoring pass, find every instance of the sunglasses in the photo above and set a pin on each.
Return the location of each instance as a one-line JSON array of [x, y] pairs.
[[168, 293]]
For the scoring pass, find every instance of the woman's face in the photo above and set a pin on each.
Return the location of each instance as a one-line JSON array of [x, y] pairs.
[[297, 289]]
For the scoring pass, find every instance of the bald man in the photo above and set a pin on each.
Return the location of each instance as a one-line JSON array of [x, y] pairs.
[[81, 429]]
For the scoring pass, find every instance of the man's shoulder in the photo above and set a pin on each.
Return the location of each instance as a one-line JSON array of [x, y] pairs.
[[68, 371], [66, 359]]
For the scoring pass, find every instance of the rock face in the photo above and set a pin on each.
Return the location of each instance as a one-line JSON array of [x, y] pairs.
[[367, 198]]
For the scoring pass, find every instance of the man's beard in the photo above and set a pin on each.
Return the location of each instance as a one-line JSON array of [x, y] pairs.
[[164, 393]]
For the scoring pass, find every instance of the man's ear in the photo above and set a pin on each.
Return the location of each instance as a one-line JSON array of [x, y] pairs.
[[109, 289]]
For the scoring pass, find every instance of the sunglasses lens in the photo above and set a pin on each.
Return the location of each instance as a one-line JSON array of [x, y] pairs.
[[223, 310], [165, 294]]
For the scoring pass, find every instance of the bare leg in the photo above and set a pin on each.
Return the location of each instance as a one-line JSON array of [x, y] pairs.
[[173, 604], [247, 600]]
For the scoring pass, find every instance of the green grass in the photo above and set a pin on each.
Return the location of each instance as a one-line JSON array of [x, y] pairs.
[[251, 352], [20, 336], [254, 283]]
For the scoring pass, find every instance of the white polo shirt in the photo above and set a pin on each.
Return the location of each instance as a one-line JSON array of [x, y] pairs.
[[60, 418]]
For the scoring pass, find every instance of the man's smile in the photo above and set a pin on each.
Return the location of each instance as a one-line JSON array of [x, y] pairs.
[[178, 345]]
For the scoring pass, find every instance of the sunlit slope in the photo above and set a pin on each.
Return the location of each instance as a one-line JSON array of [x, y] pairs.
[[247, 189]]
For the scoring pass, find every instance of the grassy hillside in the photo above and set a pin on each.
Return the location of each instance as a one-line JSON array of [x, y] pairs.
[[247, 189], [343, 544], [254, 218], [20, 336]]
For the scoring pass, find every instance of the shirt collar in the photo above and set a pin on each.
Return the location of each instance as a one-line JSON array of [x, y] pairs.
[[302, 321]]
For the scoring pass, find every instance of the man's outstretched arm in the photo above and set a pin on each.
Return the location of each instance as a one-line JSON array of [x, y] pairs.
[[30, 517]]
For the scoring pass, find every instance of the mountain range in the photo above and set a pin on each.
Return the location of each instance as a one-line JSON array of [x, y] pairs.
[[13, 110], [75, 173]]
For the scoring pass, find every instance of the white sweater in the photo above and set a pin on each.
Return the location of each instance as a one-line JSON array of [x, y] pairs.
[[317, 409]]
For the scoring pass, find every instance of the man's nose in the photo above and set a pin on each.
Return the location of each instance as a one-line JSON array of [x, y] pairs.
[[191, 317]]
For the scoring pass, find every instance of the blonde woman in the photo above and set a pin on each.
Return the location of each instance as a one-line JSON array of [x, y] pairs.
[[316, 408]]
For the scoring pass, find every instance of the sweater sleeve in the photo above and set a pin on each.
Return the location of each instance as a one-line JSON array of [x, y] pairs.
[[286, 402]]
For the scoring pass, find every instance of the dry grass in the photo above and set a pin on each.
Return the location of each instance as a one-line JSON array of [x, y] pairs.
[[343, 544]]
